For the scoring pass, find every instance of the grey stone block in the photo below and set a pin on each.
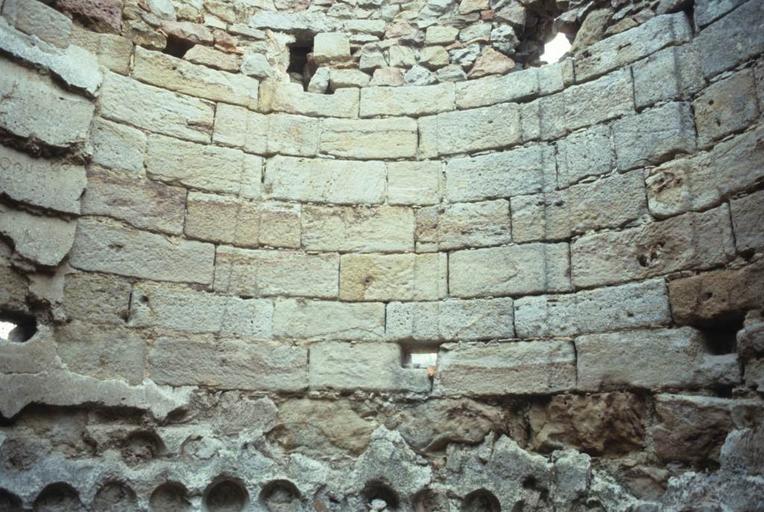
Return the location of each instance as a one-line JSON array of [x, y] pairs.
[[733, 39]]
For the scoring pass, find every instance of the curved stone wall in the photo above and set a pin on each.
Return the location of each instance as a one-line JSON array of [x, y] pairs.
[[538, 290]]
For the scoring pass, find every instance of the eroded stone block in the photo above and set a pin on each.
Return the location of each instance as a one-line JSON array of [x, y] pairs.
[[407, 100], [369, 138], [460, 225], [726, 106], [358, 229], [331, 321], [393, 276]]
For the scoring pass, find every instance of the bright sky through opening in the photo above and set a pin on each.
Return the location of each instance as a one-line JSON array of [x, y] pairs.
[[555, 49]]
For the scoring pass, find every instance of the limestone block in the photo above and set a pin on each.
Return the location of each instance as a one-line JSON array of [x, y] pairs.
[[175, 74], [707, 11], [414, 183], [104, 15], [35, 355], [325, 181], [460, 225], [510, 270], [37, 19], [392, 276], [632, 45], [117, 146], [433, 57], [747, 221], [400, 56], [50, 184], [410, 100], [210, 168], [102, 246], [585, 153], [331, 47], [151, 108], [364, 366], [650, 84], [451, 319], [288, 97], [594, 102], [357, 229], [42, 240], [733, 39], [609, 202], [95, 298], [111, 50], [373, 27], [228, 364], [214, 58], [520, 171], [437, 34], [691, 240], [654, 136], [242, 223], [708, 178], [13, 287], [726, 106], [469, 130], [142, 203], [339, 78], [31, 102], [652, 359], [324, 320], [506, 368], [260, 273], [186, 309], [498, 89], [631, 305], [369, 138]]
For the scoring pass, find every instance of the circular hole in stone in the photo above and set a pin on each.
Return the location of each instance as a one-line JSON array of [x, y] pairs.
[[481, 501], [380, 496], [9, 502], [280, 496], [225, 495], [58, 497], [141, 446], [169, 497], [114, 497], [17, 327], [429, 500]]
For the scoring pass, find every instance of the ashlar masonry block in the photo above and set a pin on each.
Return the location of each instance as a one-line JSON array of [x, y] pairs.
[[328, 320], [371, 277]]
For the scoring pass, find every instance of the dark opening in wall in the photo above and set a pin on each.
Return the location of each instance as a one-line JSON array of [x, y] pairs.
[[301, 68], [481, 501], [225, 495], [177, 47], [280, 495], [376, 494], [545, 38], [170, 497], [721, 337], [16, 327]]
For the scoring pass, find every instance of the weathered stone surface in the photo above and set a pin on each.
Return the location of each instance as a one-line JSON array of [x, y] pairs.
[[209, 168], [747, 220], [498, 89], [369, 138], [692, 240], [450, 319], [491, 62], [117, 146], [339, 78], [366, 366], [37, 19], [414, 183], [324, 320], [650, 83], [632, 45], [288, 97], [14, 287], [325, 181], [228, 364], [357, 229], [50, 184], [585, 153], [717, 296], [461, 225], [42, 240], [35, 355], [520, 171], [506, 368], [469, 130], [731, 40], [186, 309], [151, 108], [111, 50], [242, 223], [331, 47], [96, 298], [510, 270], [653, 359], [602, 423], [214, 58], [261, 273], [618, 307], [31, 102], [726, 106], [176, 74], [142, 203], [387, 277], [108, 247], [105, 14], [707, 11]]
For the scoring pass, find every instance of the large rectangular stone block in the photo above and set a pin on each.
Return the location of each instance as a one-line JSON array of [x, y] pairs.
[[748, 221], [288, 97], [521, 171], [585, 153], [357, 229], [725, 107], [364, 366], [96, 298], [393, 276], [515, 368], [692, 240], [112, 51], [117, 146], [325, 181], [707, 11], [498, 89], [415, 100], [179, 75], [455, 226], [369, 138], [680, 62], [325, 320], [242, 223], [203, 167], [414, 183], [186, 309], [36, 18], [510, 270], [733, 39], [103, 246], [260, 273], [450, 320], [631, 305], [652, 359], [40, 239], [203, 360], [127, 100]]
